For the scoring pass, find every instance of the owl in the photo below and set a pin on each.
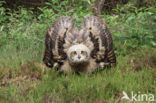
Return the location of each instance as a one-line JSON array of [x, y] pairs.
[[80, 50]]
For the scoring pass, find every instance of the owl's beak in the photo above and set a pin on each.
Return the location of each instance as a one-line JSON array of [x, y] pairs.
[[79, 56]]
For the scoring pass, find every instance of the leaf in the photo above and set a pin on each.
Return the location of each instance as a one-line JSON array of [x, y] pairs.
[[153, 43]]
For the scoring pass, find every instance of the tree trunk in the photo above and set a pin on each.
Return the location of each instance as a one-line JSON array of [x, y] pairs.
[[98, 6]]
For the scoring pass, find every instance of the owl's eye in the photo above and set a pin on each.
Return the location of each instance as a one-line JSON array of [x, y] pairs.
[[74, 53], [82, 53]]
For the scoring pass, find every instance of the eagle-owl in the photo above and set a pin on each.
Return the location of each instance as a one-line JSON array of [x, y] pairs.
[[87, 49]]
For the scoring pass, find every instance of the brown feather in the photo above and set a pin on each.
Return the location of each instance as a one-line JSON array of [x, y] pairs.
[[101, 39], [94, 34], [55, 40]]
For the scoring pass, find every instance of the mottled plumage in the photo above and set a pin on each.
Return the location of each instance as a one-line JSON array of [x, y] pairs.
[[69, 49]]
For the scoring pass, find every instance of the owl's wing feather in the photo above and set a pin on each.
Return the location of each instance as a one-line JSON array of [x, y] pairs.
[[55, 39], [101, 38]]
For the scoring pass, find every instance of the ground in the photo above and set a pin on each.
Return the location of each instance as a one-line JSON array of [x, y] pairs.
[[33, 82]]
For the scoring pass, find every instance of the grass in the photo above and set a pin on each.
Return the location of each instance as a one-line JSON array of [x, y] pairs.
[[34, 83], [25, 79]]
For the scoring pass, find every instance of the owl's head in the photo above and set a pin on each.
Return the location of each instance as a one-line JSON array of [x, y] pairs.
[[78, 54]]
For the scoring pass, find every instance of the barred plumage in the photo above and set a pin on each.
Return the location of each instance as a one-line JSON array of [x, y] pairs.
[[79, 50]]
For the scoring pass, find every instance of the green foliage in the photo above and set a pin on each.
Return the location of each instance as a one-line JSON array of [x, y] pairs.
[[135, 29], [3, 13], [74, 8]]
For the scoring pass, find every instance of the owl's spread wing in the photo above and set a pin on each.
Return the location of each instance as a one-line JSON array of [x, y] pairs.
[[101, 38], [55, 40]]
